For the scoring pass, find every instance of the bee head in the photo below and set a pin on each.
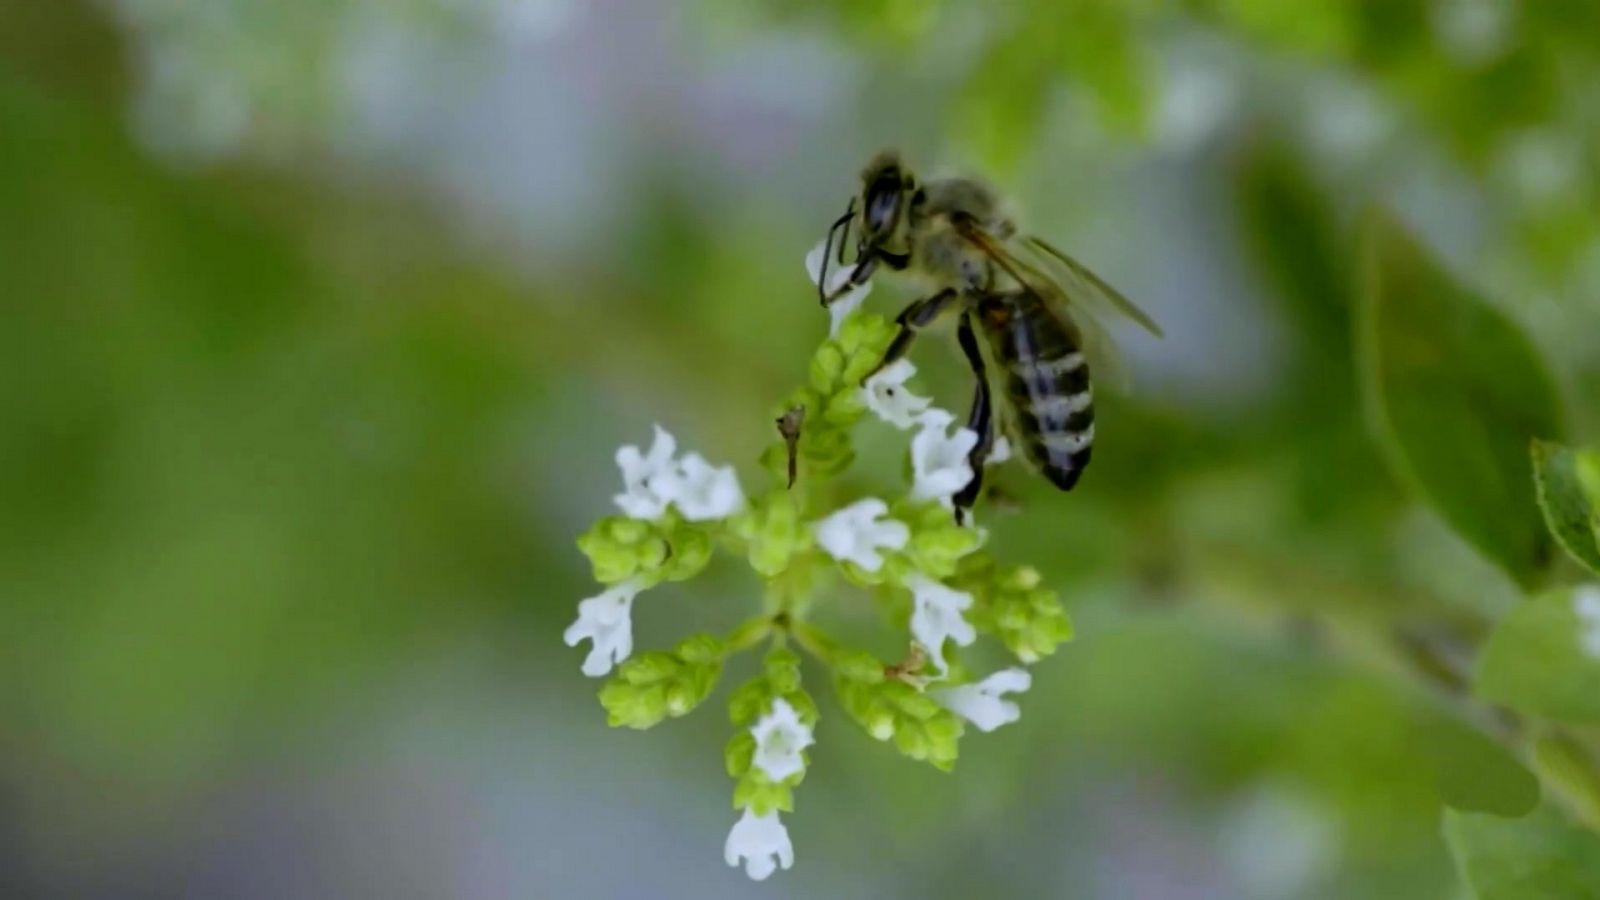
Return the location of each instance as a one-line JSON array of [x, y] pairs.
[[886, 187]]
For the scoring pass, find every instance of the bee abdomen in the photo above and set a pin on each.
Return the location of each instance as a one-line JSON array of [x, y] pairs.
[[1054, 405]]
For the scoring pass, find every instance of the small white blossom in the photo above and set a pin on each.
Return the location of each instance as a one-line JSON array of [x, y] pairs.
[[855, 533], [886, 395], [936, 615], [780, 736], [762, 842], [939, 462], [982, 703], [837, 276], [653, 481], [606, 619], [641, 477], [700, 490], [1586, 603]]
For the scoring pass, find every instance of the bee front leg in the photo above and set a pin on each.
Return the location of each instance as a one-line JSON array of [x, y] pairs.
[[980, 420], [912, 319]]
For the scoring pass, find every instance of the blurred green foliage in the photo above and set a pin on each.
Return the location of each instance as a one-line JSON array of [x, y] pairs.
[[1458, 396]]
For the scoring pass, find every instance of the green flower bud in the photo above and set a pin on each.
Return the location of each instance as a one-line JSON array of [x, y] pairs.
[[880, 724], [649, 668], [680, 699], [1012, 605], [620, 548], [652, 552], [700, 649], [657, 685], [845, 407], [755, 792], [748, 701], [804, 706], [774, 533], [909, 700], [690, 553], [826, 367], [920, 727], [633, 705], [740, 752], [613, 560], [626, 531], [858, 665], [910, 738], [937, 543], [782, 668]]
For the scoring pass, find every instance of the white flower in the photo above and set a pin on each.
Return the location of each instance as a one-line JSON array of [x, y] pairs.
[[700, 490], [762, 842], [606, 619], [936, 615], [780, 736], [981, 703], [1586, 603], [837, 276], [641, 475], [886, 395], [653, 481], [938, 459], [855, 534]]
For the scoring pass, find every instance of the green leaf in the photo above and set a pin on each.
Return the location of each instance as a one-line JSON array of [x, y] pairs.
[[1455, 393], [1568, 508], [1474, 774], [1536, 661], [1534, 858]]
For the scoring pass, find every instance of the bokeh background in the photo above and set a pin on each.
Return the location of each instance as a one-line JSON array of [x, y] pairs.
[[323, 319]]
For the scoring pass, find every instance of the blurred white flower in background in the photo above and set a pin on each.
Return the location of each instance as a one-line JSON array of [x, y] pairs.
[[1474, 31], [886, 395], [1277, 841], [983, 703], [1199, 94], [936, 615], [1543, 165], [606, 619], [939, 463], [780, 736], [837, 276], [762, 842], [857, 532], [1586, 603], [1344, 120]]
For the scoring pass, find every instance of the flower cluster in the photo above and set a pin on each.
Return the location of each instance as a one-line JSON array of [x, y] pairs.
[[932, 576]]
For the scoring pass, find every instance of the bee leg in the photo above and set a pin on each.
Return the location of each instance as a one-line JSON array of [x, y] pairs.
[[912, 319], [980, 420]]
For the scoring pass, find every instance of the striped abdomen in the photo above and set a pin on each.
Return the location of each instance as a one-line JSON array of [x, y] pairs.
[[1046, 378]]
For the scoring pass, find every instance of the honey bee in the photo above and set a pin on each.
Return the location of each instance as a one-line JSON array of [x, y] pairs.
[[1030, 300]]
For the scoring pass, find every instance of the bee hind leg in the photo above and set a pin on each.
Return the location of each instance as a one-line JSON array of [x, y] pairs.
[[912, 319], [980, 420]]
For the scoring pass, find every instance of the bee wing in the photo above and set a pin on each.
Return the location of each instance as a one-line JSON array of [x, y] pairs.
[[1085, 287], [1067, 300]]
